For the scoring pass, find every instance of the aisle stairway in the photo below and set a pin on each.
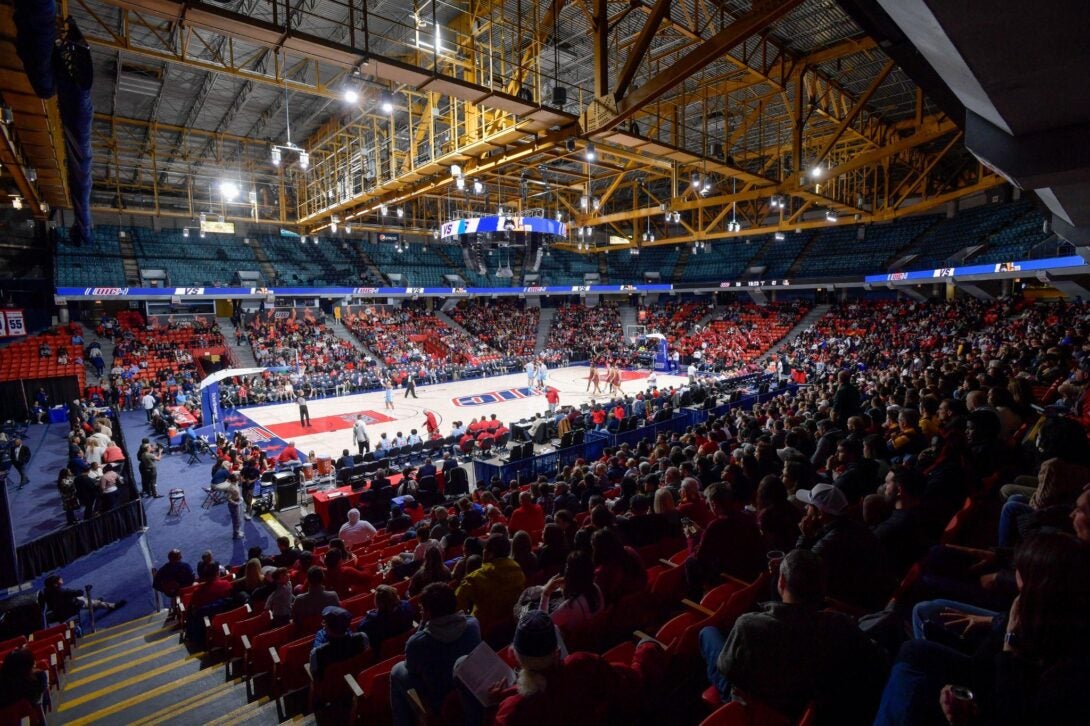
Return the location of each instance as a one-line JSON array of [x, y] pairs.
[[345, 334], [138, 673], [128, 261], [243, 354], [544, 325], [807, 320], [267, 269], [628, 319], [107, 346]]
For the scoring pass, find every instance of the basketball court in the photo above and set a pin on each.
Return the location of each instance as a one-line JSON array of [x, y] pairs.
[[506, 396]]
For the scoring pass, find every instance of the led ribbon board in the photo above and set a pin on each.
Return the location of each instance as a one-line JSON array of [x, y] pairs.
[[483, 225]]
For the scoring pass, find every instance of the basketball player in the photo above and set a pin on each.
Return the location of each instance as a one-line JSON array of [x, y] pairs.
[[389, 385], [542, 372]]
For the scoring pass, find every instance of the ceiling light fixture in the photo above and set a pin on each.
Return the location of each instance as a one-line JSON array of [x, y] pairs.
[[589, 153], [382, 209], [229, 190], [386, 102], [185, 232], [830, 216], [304, 160], [400, 212], [276, 156], [478, 188], [351, 95], [779, 237]]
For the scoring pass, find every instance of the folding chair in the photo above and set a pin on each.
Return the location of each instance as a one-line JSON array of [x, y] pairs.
[[192, 449], [212, 497], [176, 497]]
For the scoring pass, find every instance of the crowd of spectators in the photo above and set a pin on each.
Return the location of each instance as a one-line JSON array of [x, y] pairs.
[[505, 325], [305, 342], [586, 332], [410, 339], [673, 319], [739, 335], [922, 508]]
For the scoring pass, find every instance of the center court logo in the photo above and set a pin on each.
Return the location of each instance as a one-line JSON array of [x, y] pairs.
[[508, 394]]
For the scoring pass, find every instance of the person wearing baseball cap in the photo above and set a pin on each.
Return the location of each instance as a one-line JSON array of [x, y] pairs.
[[338, 643], [852, 554], [552, 689]]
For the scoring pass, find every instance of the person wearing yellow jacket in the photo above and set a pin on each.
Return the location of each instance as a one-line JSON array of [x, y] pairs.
[[489, 594]]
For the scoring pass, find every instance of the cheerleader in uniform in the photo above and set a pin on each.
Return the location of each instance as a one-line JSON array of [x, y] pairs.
[[594, 379], [615, 379]]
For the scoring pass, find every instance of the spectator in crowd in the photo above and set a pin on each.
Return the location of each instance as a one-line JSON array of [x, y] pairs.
[[732, 542], [777, 518], [173, 575], [315, 599], [794, 652], [211, 588], [446, 634], [551, 689], [852, 554], [905, 534], [22, 680], [1028, 671], [618, 569], [279, 602], [489, 594], [390, 617], [432, 570], [527, 516], [356, 531], [340, 643]]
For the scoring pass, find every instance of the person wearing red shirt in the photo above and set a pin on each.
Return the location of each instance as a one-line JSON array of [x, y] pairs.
[[475, 426], [342, 579], [212, 588], [466, 438], [618, 412], [493, 424], [289, 454], [692, 505], [552, 397], [501, 430], [598, 417], [527, 517]]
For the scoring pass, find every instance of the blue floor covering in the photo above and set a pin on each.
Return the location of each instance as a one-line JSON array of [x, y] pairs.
[[121, 570], [36, 508]]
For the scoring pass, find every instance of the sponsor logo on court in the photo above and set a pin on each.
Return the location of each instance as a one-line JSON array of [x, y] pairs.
[[508, 394], [369, 417]]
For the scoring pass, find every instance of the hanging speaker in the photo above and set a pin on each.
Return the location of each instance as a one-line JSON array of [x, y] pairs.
[[560, 96]]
